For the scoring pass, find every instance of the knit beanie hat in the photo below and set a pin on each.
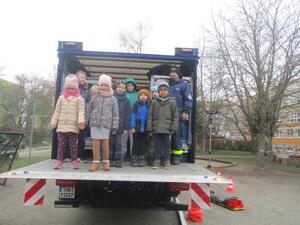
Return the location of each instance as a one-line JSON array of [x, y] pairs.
[[105, 79], [154, 88], [71, 81], [144, 91], [163, 84], [176, 70]]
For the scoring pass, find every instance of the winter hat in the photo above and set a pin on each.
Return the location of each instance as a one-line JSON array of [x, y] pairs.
[[144, 91], [105, 79], [154, 88], [163, 84], [118, 82], [71, 81], [176, 70]]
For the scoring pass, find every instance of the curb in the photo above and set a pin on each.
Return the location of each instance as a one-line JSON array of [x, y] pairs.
[[230, 163]]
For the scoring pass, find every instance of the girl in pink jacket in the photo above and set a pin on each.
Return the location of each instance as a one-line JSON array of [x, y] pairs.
[[68, 118]]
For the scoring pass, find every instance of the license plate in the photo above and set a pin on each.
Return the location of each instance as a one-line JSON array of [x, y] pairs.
[[66, 192]]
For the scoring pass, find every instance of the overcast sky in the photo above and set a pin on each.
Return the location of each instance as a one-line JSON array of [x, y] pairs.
[[31, 29]]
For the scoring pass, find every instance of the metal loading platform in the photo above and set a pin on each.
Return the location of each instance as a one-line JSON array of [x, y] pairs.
[[183, 173]]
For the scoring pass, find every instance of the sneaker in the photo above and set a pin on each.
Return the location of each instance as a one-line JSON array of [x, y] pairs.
[[75, 165], [82, 160], [58, 164], [67, 160], [134, 161], [141, 161], [118, 163], [156, 164], [167, 165]]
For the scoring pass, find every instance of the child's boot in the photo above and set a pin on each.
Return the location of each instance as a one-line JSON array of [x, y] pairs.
[[156, 164], [105, 152], [167, 164], [134, 161], [106, 166], [96, 156], [141, 161], [118, 163]]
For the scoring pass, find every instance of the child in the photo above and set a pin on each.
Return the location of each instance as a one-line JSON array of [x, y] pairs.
[[162, 122], [138, 127], [102, 115], [154, 92], [84, 92], [116, 151], [68, 116], [131, 92], [132, 96], [94, 90], [150, 143]]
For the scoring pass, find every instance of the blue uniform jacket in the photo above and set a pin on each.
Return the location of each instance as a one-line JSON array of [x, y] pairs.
[[182, 92]]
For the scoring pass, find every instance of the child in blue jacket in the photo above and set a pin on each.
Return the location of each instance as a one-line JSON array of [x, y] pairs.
[[139, 128]]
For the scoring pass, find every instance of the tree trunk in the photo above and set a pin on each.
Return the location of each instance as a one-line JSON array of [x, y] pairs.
[[261, 150], [203, 142]]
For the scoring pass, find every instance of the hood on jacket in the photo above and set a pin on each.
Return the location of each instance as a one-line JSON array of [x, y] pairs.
[[131, 80]]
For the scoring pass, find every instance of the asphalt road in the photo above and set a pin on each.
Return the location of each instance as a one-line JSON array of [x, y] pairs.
[[12, 211], [271, 198]]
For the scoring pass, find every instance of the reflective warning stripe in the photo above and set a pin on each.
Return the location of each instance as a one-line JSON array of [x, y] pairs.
[[34, 191], [177, 152], [200, 196]]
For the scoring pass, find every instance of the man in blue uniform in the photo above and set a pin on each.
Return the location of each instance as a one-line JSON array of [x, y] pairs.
[[181, 91]]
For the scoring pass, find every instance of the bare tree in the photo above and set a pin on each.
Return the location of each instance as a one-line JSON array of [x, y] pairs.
[[133, 40], [258, 48], [18, 98]]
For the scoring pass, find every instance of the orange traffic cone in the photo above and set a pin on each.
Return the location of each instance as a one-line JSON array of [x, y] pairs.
[[195, 214], [230, 187]]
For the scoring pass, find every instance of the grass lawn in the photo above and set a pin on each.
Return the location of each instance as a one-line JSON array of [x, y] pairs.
[[21, 162], [246, 158]]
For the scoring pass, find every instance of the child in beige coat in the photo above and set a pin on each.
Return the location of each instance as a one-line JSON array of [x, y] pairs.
[[68, 118]]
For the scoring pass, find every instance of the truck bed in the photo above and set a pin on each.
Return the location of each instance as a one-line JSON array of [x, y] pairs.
[[183, 173]]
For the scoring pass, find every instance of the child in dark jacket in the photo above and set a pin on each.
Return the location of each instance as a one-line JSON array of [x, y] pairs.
[[162, 122], [116, 153], [139, 128]]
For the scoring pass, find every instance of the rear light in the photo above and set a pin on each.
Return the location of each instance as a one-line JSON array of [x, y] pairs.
[[173, 187], [66, 183]]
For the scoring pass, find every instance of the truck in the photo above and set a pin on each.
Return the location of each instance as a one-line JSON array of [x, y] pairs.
[[129, 186]]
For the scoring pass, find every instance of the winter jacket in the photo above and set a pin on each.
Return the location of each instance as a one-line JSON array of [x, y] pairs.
[[133, 95], [139, 116], [124, 112], [84, 92], [182, 92], [102, 111], [67, 114], [163, 116]]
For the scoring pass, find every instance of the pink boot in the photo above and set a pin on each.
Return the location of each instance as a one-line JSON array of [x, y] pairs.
[[58, 164], [75, 165]]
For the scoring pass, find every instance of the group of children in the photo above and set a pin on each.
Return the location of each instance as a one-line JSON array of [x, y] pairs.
[[114, 116]]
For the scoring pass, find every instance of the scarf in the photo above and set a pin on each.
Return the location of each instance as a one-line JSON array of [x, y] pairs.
[[68, 95], [106, 93], [163, 99], [120, 96], [132, 97]]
